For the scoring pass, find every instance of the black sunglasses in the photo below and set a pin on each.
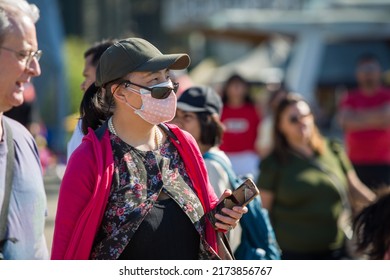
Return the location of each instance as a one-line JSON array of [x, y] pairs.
[[296, 119], [157, 92]]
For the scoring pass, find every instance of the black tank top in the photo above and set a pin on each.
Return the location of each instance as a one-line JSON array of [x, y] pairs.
[[160, 227]]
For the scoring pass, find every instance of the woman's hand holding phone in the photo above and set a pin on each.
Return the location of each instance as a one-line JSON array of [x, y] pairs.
[[231, 205], [227, 219]]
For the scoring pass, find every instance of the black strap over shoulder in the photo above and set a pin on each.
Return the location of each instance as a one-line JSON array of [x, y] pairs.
[[166, 129], [9, 174]]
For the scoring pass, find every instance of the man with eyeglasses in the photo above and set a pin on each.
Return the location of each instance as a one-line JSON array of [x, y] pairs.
[[22, 194], [25, 112]]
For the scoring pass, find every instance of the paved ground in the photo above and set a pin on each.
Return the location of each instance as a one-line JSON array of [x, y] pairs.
[[52, 186]]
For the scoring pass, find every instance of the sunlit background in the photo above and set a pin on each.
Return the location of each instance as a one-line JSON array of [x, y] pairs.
[[310, 46], [307, 46]]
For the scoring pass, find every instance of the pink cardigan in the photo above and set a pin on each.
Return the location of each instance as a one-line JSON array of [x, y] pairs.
[[86, 186]]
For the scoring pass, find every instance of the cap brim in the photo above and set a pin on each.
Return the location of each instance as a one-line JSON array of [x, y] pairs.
[[167, 61], [188, 108]]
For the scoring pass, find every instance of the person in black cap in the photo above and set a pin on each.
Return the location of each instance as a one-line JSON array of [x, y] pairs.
[[198, 111], [138, 188]]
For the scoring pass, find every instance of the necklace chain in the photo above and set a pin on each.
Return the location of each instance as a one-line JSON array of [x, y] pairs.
[[157, 137], [157, 133], [111, 126]]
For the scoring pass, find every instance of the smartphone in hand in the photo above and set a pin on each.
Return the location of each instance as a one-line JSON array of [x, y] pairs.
[[241, 196]]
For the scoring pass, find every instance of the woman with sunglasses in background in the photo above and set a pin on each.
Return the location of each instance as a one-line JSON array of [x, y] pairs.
[[137, 188], [302, 183]]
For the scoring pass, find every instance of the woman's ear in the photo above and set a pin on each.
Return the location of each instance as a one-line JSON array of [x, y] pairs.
[[118, 94]]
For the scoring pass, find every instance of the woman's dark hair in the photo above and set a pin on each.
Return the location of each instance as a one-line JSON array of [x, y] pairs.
[[232, 79], [93, 108], [372, 229], [273, 96], [366, 58], [281, 145], [96, 106], [211, 128], [90, 115]]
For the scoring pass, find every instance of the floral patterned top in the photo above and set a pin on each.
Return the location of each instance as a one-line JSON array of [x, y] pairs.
[[139, 178]]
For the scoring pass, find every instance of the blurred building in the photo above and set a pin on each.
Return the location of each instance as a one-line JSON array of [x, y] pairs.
[[321, 40], [310, 45], [94, 20]]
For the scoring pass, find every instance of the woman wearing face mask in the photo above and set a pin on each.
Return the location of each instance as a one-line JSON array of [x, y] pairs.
[[302, 182], [136, 189]]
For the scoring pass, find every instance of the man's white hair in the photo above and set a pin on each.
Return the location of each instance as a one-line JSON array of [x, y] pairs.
[[11, 10], [22, 6]]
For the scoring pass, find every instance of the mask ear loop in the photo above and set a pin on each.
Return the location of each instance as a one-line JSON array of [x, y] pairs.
[[108, 114], [131, 106]]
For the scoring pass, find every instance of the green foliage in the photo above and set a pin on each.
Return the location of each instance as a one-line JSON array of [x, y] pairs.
[[74, 63]]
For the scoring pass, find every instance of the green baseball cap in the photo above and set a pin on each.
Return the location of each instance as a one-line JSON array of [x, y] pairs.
[[135, 54]]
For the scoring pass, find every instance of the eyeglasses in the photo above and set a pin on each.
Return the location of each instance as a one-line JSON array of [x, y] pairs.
[[296, 119], [157, 92], [25, 56]]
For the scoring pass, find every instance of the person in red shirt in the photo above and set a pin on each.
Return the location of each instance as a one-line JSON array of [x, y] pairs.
[[365, 118], [241, 119]]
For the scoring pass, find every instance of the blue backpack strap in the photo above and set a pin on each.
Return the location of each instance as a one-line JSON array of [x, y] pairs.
[[234, 182], [258, 241]]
